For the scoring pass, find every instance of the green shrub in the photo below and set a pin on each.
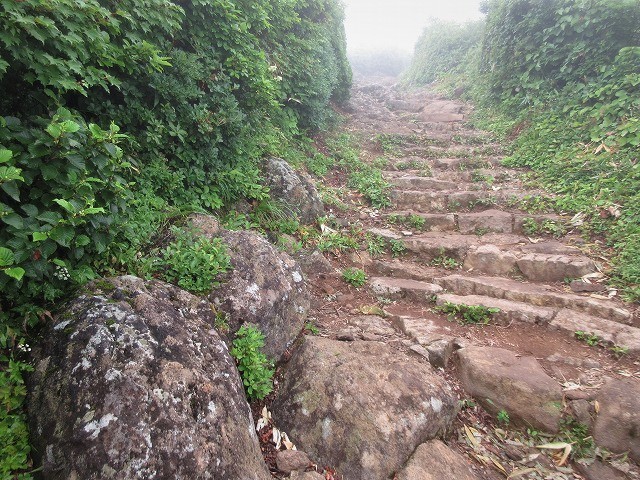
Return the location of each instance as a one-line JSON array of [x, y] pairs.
[[468, 314], [255, 369], [443, 48], [354, 276], [62, 190], [191, 261], [534, 48]]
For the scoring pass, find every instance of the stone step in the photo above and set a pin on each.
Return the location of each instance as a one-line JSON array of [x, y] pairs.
[[400, 269], [499, 221], [537, 295], [430, 245], [482, 176], [413, 182], [438, 202], [462, 164], [510, 311], [404, 288], [537, 267], [433, 222], [609, 331]]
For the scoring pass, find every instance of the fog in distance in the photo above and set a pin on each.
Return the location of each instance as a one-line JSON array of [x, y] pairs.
[[383, 33]]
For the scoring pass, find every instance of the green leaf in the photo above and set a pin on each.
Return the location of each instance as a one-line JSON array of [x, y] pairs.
[[82, 240], [54, 129], [70, 126], [5, 155], [62, 235], [15, 272], [11, 189], [10, 173], [65, 204], [14, 220], [6, 257], [40, 236]]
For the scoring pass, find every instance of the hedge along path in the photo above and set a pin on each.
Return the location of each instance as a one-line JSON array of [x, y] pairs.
[[482, 246]]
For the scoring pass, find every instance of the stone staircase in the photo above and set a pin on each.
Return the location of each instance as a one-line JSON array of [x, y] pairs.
[[501, 263]]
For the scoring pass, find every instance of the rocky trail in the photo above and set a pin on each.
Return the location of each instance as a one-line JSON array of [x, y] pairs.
[[459, 357]]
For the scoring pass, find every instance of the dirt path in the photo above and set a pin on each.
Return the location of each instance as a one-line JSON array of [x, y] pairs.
[[474, 234]]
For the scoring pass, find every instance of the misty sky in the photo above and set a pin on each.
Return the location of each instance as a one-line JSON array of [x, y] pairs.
[[397, 24]]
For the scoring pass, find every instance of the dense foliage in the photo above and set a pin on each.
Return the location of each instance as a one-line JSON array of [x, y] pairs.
[[565, 75], [115, 115], [443, 47]]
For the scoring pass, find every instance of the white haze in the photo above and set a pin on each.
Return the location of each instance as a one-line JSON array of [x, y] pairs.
[[396, 24]]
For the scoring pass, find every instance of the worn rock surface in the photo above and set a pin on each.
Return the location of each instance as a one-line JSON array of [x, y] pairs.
[[132, 382], [435, 461], [266, 288], [617, 425], [361, 407], [296, 190], [289, 461], [500, 379]]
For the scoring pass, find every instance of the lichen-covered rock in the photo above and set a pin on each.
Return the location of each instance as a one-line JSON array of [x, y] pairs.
[[266, 288], [617, 425], [361, 407], [502, 380], [294, 189], [132, 381], [435, 461]]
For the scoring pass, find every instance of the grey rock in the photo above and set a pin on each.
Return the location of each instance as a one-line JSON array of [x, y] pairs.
[[500, 379], [361, 407], [440, 352], [288, 461], [617, 425], [435, 461], [295, 189], [306, 476], [131, 381], [265, 288], [581, 410], [598, 470]]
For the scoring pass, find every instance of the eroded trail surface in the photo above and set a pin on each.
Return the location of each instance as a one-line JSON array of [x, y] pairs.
[[473, 235]]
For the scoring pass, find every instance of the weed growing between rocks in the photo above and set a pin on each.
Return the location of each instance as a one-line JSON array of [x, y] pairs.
[[354, 276], [255, 369], [468, 314]]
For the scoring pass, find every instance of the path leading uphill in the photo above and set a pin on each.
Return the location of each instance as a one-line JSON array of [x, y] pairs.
[[476, 235]]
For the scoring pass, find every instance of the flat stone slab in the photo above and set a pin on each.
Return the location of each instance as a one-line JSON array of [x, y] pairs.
[[412, 182], [487, 221], [399, 288], [537, 267], [435, 244], [618, 421], [433, 222], [400, 269], [434, 202], [501, 380], [490, 259], [542, 267], [361, 407], [533, 294], [510, 311], [612, 332], [435, 461]]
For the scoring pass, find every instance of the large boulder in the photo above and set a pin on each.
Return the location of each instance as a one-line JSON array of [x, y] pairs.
[[617, 426], [266, 288], [435, 461], [295, 189], [502, 380], [132, 381], [361, 407]]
